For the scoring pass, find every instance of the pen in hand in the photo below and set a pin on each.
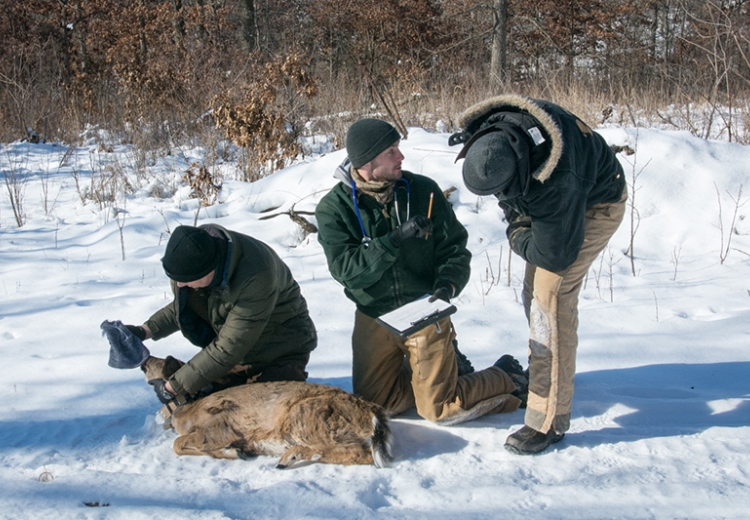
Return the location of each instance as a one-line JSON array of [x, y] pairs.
[[429, 212]]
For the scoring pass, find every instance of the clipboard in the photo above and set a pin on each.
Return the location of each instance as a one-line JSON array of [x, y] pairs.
[[415, 316]]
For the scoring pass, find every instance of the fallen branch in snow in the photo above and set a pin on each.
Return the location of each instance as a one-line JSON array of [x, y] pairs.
[[96, 504], [45, 476], [297, 218]]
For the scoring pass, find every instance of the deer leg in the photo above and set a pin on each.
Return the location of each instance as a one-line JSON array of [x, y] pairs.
[[200, 442], [346, 455]]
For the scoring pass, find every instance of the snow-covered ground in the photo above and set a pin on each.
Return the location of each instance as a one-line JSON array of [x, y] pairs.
[[661, 418]]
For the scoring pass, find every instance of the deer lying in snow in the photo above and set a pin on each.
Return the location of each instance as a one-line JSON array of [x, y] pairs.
[[297, 421]]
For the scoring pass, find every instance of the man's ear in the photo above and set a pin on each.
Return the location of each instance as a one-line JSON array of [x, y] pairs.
[[365, 171]]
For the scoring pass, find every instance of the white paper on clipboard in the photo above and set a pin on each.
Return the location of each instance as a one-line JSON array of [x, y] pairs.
[[416, 315]]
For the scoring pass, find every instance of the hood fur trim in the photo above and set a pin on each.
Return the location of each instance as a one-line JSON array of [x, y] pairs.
[[514, 103]]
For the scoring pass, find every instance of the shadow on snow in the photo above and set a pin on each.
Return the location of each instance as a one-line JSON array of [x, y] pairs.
[[642, 402], [660, 400]]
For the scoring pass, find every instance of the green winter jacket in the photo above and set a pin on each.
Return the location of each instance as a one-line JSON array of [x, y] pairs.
[[377, 276], [256, 315]]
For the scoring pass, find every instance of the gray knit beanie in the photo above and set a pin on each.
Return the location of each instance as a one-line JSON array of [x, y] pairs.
[[367, 138], [125, 349]]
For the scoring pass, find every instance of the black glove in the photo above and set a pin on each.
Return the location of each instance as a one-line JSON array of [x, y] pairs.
[[161, 392], [514, 218], [138, 331], [415, 227], [444, 293], [516, 223]]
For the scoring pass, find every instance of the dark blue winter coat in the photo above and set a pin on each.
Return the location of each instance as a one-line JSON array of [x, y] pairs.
[[577, 171]]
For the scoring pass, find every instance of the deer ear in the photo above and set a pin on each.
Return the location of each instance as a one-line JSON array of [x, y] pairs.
[[171, 365]]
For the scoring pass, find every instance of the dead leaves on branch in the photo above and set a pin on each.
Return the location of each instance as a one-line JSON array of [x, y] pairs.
[[204, 186], [266, 118]]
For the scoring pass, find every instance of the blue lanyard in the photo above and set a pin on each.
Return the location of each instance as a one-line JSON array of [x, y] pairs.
[[365, 239]]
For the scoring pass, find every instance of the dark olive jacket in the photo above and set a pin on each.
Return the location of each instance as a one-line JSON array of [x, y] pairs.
[[256, 315], [377, 276], [578, 169]]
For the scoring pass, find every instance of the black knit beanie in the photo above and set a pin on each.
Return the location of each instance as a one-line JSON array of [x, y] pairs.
[[367, 138], [191, 254], [497, 163]]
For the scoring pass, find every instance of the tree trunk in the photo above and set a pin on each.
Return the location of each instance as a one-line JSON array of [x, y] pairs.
[[249, 26], [498, 57], [179, 22]]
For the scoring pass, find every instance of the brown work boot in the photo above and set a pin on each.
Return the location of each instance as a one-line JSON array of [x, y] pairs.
[[528, 441]]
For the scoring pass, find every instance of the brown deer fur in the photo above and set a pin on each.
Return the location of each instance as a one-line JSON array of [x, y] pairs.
[[297, 421]]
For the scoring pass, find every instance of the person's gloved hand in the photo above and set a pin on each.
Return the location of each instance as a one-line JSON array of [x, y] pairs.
[[516, 224], [161, 392], [444, 293], [415, 227], [138, 331]]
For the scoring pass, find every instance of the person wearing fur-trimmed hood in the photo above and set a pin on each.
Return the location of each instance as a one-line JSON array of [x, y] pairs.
[[563, 192]]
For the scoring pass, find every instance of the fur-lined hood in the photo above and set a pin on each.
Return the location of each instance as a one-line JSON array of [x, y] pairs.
[[473, 117]]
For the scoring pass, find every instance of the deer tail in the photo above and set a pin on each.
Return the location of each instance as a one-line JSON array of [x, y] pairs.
[[380, 443]]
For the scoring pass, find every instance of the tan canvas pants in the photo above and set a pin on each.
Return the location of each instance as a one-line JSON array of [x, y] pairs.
[[421, 371], [551, 305]]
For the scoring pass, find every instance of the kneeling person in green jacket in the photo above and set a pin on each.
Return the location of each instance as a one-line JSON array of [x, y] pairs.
[[386, 252], [236, 300]]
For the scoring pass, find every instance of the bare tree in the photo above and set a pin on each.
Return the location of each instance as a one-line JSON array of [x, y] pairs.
[[635, 216], [15, 181], [726, 241], [676, 255], [714, 39], [499, 55]]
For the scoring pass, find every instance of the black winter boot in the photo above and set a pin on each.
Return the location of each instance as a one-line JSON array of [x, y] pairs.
[[513, 368], [528, 441], [464, 365]]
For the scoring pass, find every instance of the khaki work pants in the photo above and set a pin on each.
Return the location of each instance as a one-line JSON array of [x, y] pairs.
[[551, 305], [421, 371]]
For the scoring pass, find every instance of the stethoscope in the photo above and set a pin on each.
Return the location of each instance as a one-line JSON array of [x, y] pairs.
[[365, 239]]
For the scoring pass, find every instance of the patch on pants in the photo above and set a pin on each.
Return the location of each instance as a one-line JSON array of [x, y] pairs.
[[540, 369]]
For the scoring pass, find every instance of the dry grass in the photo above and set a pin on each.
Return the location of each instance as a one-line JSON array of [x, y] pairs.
[[266, 116]]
